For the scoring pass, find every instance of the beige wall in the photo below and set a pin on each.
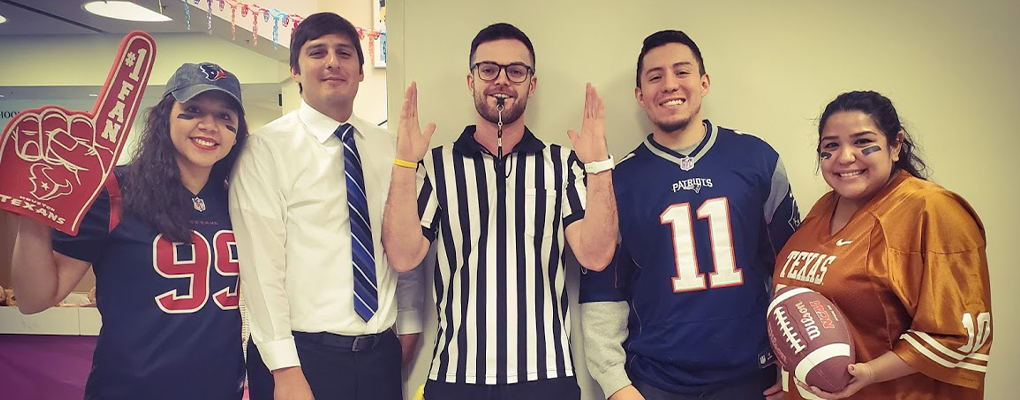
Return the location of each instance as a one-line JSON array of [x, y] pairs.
[[948, 66]]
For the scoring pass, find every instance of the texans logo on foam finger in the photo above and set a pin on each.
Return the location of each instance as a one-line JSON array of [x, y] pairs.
[[811, 338], [55, 162]]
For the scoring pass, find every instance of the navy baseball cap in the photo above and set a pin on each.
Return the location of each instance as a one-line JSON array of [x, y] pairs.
[[192, 79]]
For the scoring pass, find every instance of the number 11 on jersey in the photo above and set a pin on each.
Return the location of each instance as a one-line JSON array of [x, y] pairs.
[[689, 277]]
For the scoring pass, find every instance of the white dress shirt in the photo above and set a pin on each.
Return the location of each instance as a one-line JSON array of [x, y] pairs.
[[288, 206]]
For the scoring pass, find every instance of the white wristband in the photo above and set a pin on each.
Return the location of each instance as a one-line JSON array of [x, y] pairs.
[[595, 167]]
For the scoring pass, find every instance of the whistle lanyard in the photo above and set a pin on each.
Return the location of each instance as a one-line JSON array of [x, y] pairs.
[[499, 139]]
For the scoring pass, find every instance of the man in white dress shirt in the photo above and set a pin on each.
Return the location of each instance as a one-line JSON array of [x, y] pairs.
[[306, 202]]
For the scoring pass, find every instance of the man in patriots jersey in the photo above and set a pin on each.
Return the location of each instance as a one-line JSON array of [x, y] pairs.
[[166, 267], [703, 210]]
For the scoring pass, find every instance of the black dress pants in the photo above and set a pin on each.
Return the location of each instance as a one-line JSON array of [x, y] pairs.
[[337, 367]]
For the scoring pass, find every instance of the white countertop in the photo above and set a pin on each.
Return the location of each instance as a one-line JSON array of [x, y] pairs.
[[78, 321]]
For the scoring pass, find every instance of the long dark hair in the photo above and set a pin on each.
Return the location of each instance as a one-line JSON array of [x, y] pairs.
[[881, 110], [151, 185]]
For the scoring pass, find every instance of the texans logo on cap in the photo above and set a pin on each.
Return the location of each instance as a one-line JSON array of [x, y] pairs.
[[212, 72]]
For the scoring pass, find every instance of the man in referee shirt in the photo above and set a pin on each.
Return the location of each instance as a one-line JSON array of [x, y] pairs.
[[502, 214]]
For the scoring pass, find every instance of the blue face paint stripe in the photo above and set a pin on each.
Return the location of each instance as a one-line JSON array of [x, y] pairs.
[[186, 116], [870, 150], [824, 155]]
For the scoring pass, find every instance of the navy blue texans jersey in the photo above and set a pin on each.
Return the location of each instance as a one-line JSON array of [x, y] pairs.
[[171, 325], [699, 235]]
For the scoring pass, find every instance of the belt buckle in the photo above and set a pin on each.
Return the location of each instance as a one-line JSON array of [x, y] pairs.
[[362, 343]]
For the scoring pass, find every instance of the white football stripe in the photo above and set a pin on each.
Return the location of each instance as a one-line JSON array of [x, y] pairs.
[[818, 356], [945, 350], [941, 361], [786, 295]]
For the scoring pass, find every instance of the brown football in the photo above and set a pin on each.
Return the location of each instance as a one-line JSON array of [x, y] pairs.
[[811, 338]]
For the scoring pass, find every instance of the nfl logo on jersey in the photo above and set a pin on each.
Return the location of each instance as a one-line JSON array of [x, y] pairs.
[[198, 203], [686, 163]]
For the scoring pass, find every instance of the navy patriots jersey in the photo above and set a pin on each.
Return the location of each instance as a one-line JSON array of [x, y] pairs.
[[699, 235], [171, 327]]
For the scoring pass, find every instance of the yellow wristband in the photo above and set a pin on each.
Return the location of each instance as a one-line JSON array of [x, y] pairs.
[[405, 163]]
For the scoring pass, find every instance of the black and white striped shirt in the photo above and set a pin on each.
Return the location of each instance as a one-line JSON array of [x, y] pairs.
[[500, 279]]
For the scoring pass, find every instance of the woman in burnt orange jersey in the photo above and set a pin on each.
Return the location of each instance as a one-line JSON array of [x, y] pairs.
[[902, 257]]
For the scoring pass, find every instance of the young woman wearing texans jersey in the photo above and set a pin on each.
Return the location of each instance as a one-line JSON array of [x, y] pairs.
[[165, 262], [903, 258]]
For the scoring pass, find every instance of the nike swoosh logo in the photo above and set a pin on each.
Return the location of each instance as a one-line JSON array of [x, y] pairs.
[[842, 242]]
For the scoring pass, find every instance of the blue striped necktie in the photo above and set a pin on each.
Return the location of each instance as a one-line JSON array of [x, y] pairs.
[[362, 248]]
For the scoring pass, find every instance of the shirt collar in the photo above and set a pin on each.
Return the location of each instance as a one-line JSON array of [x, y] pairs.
[[696, 149], [467, 145], [320, 125]]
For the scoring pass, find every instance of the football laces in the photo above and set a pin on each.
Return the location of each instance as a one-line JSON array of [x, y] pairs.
[[791, 336]]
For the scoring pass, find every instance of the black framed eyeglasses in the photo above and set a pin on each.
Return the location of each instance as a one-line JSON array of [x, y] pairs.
[[515, 72]]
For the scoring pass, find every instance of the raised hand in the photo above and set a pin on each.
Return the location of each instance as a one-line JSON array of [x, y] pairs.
[[590, 143], [412, 143], [54, 161]]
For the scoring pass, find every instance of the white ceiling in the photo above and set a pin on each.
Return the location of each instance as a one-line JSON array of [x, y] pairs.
[[66, 17]]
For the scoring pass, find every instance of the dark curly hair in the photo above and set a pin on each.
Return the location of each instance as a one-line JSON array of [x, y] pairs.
[[881, 110], [151, 185]]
